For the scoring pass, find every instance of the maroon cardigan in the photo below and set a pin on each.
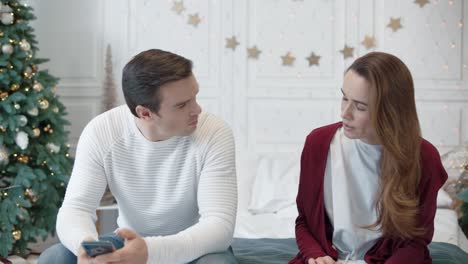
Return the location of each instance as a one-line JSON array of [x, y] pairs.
[[314, 230]]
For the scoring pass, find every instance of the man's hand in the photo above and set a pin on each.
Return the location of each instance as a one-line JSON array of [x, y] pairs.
[[134, 251], [83, 258], [322, 260]]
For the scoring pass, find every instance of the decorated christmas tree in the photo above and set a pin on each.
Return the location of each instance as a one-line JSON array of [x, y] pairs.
[[34, 159]]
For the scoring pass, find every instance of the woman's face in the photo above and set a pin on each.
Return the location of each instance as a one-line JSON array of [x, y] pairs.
[[355, 109]]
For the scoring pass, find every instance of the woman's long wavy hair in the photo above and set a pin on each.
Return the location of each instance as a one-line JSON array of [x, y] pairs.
[[393, 115]]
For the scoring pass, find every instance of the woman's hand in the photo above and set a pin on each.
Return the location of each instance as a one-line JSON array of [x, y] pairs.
[[322, 260]]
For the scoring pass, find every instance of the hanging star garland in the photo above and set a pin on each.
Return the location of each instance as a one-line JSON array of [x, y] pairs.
[[253, 52], [231, 43], [394, 24], [288, 59], [347, 52], [178, 7], [421, 3], [368, 42], [313, 59], [194, 20]]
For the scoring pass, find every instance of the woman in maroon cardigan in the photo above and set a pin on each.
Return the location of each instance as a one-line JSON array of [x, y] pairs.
[[368, 185]]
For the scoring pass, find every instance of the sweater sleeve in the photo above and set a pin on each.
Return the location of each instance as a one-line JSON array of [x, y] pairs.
[[77, 215], [434, 176], [309, 247], [217, 202]]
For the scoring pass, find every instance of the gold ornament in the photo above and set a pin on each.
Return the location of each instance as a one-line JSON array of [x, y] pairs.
[[347, 52], [368, 42], [55, 109], [24, 45], [54, 89], [313, 59], [288, 59], [16, 234], [43, 103], [17, 106], [10, 66], [1, 33], [194, 20], [253, 52], [37, 86], [3, 96], [36, 132], [28, 74], [23, 159], [394, 24], [28, 192], [421, 3], [48, 128], [178, 7], [14, 87]]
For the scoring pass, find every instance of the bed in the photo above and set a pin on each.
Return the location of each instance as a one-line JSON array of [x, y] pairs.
[[265, 222]]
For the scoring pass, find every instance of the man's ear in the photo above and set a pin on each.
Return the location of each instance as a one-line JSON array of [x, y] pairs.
[[143, 112]]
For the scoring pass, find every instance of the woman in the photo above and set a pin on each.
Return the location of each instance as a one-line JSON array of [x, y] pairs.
[[368, 185]]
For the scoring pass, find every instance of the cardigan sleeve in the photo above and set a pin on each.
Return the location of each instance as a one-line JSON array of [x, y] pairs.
[[309, 247]]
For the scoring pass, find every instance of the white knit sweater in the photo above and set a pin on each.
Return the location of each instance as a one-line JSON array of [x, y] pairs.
[[179, 194]]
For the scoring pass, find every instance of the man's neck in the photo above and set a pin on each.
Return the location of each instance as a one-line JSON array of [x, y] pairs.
[[151, 133]]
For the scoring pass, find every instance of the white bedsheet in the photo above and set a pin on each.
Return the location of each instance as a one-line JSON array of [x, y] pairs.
[[281, 225]]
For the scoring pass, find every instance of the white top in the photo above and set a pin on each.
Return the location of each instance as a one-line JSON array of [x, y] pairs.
[[350, 188], [179, 194]]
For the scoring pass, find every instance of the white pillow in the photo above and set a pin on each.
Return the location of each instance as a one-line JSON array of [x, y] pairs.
[[276, 182], [246, 165], [443, 199]]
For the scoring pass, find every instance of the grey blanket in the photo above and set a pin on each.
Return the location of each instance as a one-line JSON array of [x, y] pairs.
[[276, 251]]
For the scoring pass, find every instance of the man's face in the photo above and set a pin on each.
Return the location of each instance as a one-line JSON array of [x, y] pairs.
[[179, 110]]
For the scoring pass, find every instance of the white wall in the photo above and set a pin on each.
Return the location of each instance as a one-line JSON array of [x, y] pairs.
[[271, 107]]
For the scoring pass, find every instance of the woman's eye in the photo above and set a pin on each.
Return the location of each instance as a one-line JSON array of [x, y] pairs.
[[361, 108]]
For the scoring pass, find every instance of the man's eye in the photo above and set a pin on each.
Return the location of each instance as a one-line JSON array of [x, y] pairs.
[[345, 99], [182, 105]]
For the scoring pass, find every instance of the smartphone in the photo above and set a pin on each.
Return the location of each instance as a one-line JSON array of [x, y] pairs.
[[96, 248]]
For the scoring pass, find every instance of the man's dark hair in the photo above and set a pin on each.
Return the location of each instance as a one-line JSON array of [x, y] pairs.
[[147, 72]]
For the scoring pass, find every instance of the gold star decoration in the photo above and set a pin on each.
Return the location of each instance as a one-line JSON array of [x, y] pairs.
[[253, 52], [368, 42], [178, 7], [421, 3], [194, 20], [347, 52], [313, 59], [394, 24], [231, 43], [288, 59]]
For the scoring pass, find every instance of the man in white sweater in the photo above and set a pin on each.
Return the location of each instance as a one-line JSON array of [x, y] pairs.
[[170, 166]]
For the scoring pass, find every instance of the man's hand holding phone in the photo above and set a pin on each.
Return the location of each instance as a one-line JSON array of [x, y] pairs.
[[90, 248], [134, 251], [96, 248]]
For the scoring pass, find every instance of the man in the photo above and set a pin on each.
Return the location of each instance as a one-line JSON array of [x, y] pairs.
[[170, 167]]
